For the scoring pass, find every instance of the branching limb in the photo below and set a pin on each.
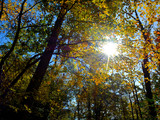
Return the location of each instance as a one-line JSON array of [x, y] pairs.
[[29, 64]]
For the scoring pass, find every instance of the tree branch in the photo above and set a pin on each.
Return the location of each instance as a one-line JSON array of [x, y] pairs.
[[29, 64], [14, 42], [130, 15], [1, 12], [31, 7]]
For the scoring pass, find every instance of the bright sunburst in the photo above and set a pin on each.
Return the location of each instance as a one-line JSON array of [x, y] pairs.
[[110, 49]]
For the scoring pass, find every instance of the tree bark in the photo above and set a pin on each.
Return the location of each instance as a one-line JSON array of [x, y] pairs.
[[149, 95], [19, 76], [89, 107], [14, 43], [145, 68], [45, 59], [131, 106], [96, 104], [78, 109], [135, 105], [123, 109], [138, 101]]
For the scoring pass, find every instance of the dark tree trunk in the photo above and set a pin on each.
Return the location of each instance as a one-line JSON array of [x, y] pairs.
[[97, 112], [131, 106], [97, 105], [135, 106], [145, 68], [149, 96], [46, 56], [89, 108], [18, 77], [123, 109], [78, 109], [37, 78], [45, 59], [138, 101]]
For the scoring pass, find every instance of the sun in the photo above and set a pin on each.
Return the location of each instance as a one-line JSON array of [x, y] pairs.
[[110, 49]]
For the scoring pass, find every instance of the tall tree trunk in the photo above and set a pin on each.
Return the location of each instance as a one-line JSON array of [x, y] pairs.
[[78, 109], [138, 101], [19, 76], [135, 105], [131, 106], [123, 109], [95, 104], [145, 68], [45, 58], [89, 107], [149, 95]]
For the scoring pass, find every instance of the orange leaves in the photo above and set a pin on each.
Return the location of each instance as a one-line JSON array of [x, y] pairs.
[[99, 77], [158, 39], [85, 44], [158, 46], [146, 33], [49, 82], [157, 32]]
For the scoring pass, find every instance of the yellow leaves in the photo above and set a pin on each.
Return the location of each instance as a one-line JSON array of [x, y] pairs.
[[94, 1], [54, 104], [69, 1], [72, 83], [102, 15], [149, 64], [141, 81], [27, 108], [78, 96], [154, 67], [131, 55], [81, 85], [97, 82], [99, 77], [146, 79], [123, 82], [107, 85], [106, 12], [25, 5], [15, 108]]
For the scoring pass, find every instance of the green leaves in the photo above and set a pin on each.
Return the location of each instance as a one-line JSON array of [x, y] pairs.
[[78, 76]]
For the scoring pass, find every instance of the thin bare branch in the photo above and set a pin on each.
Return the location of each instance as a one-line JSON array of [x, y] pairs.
[[15, 40], [31, 7], [1, 12]]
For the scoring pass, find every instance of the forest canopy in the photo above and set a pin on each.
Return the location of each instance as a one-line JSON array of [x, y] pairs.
[[79, 59]]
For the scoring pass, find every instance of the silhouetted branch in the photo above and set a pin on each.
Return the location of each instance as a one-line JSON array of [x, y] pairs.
[[1, 12]]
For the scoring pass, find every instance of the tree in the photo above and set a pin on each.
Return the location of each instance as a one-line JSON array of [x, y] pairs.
[[146, 45], [52, 66], [36, 81]]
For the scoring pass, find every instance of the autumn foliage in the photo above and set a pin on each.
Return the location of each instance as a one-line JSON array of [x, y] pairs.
[[52, 66]]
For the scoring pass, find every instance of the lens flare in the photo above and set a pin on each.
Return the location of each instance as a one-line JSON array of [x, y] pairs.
[[110, 49]]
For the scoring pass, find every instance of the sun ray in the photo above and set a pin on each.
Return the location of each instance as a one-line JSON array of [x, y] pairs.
[[110, 49]]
